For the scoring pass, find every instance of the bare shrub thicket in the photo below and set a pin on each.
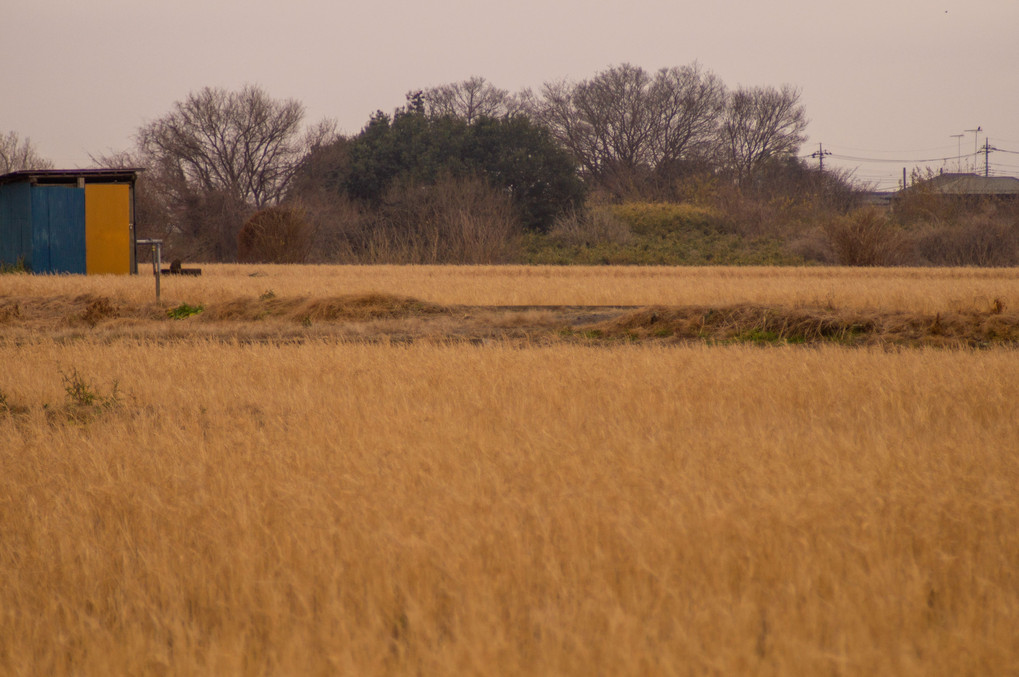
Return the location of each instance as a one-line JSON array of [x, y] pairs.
[[985, 238], [275, 235], [451, 221], [921, 203], [590, 226], [337, 227], [785, 199], [203, 225], [867, 237]]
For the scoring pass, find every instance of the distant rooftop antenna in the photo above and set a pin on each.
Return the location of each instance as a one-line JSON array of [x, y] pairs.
[[975, 133], [958, 157]]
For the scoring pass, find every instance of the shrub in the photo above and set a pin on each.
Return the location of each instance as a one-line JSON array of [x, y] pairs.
[[84, 401], [590, 226], [865, 237], [921, 202], [982, 239], [338, 225], [450, 221], [275, 235]]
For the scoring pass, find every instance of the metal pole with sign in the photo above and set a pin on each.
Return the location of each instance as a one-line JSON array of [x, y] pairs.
[[157, 259]]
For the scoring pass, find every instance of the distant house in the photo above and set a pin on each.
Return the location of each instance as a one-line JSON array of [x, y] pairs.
[[954, 186], [975, 186], [972, 187], [68, 220], [876, 198]]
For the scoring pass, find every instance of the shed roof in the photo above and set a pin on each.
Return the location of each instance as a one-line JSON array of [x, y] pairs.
[[63, 176]]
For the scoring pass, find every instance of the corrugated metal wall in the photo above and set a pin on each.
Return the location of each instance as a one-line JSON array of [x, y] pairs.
[[107, 228], [58, 232], [16, 224]]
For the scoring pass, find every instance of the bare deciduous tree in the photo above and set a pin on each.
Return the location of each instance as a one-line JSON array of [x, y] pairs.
[[219, 156], [690, 102], [626, 123], [243, 143], [17, 154], [468, 100], [761, 124]]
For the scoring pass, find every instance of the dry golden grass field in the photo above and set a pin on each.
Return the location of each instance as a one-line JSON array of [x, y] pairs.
[[361, 471], [926, 290]]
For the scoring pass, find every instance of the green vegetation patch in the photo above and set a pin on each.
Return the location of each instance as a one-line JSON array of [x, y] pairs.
[[13, 268], [652, 233], [677, 248], [660, 218], [183, 311]]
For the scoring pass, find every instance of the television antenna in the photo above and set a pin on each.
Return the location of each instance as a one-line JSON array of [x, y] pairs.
[[975, 133], [958, 157]]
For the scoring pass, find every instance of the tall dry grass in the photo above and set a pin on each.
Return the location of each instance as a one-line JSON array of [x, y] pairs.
[[354, 509], [923, 290]]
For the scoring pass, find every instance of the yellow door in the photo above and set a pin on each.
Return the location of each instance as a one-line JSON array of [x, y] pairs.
[[107, 229]]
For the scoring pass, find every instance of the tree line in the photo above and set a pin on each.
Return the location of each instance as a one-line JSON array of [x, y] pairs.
[[450, 176]]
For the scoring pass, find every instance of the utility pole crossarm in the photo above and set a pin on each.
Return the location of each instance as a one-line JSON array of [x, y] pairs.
[[819, 154], [986, 150]]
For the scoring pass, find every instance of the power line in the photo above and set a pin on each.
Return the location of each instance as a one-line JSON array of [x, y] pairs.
[[894, 150], [838, 156], [878, 180], [946, 158]]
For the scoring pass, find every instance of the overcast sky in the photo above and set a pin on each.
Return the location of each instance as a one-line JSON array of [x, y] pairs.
[[888, 79]]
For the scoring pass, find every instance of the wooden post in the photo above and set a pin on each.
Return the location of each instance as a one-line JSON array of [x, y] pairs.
[[157, 263]]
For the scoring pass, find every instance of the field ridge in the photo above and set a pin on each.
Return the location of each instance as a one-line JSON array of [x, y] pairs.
[[379, 316]]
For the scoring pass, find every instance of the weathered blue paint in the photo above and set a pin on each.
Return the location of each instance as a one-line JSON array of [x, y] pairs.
[[58, 235], [15, 225]]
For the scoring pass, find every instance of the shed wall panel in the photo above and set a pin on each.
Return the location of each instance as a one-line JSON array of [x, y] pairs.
[[16, 224], [58, 234], [107, 229]]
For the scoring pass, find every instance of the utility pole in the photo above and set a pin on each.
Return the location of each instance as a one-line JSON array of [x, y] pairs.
[[819, 154], [987, 157]]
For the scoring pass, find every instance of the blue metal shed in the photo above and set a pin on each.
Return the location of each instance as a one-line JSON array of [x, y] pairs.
[[68, 221]]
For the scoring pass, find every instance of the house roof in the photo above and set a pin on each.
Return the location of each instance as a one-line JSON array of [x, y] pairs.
[[64, 176], [973, 184]]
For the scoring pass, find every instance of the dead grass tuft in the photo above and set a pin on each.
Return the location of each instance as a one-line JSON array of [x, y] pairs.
[[762, 324], [355, 307], [10, 311], [366, 307], [96, 309]]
